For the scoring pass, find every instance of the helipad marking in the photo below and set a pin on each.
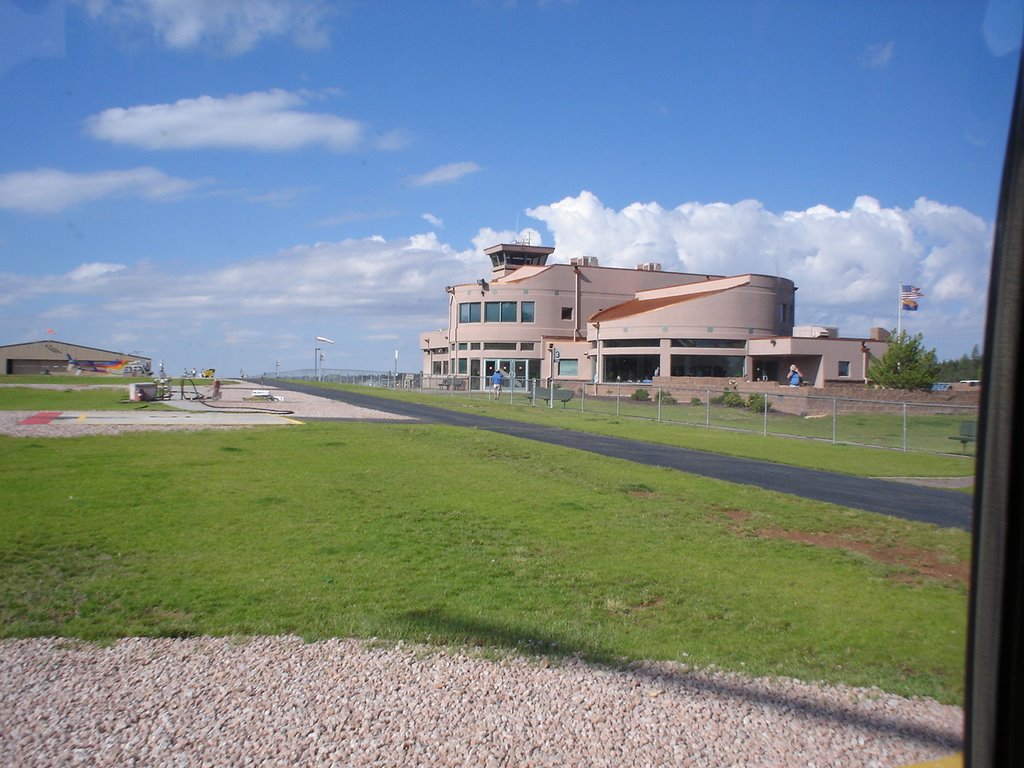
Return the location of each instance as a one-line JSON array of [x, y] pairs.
[[43, 417]]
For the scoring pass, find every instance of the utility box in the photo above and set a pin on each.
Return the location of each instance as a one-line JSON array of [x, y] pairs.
[[145, 391]]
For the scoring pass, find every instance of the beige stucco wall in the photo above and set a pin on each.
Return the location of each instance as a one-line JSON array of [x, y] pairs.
[[579, 309]]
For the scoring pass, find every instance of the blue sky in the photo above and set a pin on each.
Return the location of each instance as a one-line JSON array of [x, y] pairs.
[[216, 184]]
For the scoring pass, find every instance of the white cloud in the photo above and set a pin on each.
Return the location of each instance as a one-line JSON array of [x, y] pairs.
[[230, 26], [262, 120], [365, 277], [433, 220], [93, 271], [878, 55], [846, 264], [443, 174], [48, 190]]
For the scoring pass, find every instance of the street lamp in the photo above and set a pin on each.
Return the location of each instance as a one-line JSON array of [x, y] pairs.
[[318, 358]]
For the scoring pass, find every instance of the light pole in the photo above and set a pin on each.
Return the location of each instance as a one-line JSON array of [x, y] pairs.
[[318, 358]]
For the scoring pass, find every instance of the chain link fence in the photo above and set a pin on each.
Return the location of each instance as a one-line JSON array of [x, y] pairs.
[[933, 427]]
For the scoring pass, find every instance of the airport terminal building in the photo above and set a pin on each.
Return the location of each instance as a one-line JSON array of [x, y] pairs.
[[581, 322]]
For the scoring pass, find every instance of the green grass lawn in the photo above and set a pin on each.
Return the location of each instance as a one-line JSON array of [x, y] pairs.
[[78, 393], [815, 454], [446, 535]]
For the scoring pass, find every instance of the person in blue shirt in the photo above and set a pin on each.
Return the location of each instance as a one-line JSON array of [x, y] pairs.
[[795, 376], [496, 381]]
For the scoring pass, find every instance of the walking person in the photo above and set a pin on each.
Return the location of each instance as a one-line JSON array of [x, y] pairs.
[[496, 380]]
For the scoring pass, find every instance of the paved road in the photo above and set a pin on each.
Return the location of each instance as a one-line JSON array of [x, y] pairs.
[[945, 508]]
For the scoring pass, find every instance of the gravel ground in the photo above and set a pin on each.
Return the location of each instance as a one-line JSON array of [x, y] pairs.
[[297, 405], [279, 701]]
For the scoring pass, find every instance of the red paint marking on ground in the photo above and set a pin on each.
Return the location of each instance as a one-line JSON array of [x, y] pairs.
[[43, 417]]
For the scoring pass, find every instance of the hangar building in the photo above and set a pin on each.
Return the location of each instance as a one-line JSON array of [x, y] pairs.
[[52, 356]]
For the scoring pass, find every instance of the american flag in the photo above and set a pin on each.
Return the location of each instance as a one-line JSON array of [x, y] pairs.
[[909, 294]]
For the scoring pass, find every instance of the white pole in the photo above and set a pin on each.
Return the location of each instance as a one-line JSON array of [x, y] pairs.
[[899, 309]]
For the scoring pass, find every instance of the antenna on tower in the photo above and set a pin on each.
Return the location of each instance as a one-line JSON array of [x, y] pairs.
[[517, 240]]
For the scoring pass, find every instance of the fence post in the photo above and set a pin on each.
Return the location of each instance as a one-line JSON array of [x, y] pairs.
[[833, 421], [904, 426], [618, 395], [659, 403], [764, 405]]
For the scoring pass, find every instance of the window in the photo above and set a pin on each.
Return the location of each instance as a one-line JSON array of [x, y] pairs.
[[844, 367], [568, 367], [527, 311], [499, 312], [462, 365], [499, 345], [567, 313], [469, 312], [710, 343], [463, 345], [630, 367], [707, 365], [632, 342], [527, 345]]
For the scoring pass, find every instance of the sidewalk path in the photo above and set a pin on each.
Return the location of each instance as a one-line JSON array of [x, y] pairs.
[[942, 507]]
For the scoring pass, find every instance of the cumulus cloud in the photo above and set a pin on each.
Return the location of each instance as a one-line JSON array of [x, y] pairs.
[[443, 174], [262, 120], [379, 277], [48, 190], [230, 26], [847, 264]]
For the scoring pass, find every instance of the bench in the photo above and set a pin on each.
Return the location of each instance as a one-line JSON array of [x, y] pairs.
[[561, 395], [968, 434]]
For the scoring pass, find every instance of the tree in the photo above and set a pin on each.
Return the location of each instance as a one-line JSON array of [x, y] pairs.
[[967, 367], [905, 365]]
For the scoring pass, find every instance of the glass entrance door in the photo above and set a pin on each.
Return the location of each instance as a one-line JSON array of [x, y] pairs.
[[519, 369]]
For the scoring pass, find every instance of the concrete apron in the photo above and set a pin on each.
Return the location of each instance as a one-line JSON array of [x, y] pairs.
[[206, 417]]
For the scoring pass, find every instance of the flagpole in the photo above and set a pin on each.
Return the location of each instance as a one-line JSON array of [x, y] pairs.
[[899, 309]]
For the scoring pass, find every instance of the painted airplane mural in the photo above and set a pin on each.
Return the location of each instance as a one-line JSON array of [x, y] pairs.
[[106, 366]]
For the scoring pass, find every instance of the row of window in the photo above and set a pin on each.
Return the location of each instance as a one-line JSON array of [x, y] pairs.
[[503, 312], [637, 367], [706, 343], [498, 345], [497, 312]]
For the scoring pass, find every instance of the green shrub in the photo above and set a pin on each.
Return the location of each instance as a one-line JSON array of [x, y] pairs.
[[666, 398], [731, 399], [641, 394], [758, 403], [695, 401]]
